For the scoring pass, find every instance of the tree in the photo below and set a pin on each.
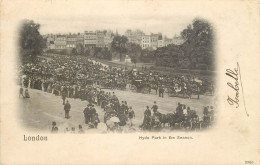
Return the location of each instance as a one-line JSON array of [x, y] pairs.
[[119, 45], [199, 42], [31, 42], [74, 51], [133, 49], [80, 49], [133, 59]]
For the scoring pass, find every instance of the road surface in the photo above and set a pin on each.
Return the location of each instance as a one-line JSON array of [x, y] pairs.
[[38, 112]]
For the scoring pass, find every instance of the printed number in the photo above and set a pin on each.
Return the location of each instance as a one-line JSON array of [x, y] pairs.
[[249, 162]]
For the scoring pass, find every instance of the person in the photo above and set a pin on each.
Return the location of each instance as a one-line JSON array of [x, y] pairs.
[[205, 111], [131, 115], [66, 130], [92, 112], [26, 94], [86, 114], [185, 111], [96, 120], [72, 130], [63, 96], [154, 107], [179, 111], [206, 116], [147, 112], [147, 117], [156, 88], [54, 128], [67, 107], [126, 109], [179, 108], [81, 129], [21, 92], [162, 91], [198, 90]]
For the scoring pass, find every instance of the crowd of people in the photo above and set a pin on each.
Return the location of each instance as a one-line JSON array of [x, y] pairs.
[[74, 74], [82, 78]]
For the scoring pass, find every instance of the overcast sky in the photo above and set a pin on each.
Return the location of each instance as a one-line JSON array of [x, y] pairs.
[[169, 26], [78, 16]]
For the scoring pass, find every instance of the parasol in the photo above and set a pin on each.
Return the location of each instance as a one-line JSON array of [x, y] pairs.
[[114, 119]]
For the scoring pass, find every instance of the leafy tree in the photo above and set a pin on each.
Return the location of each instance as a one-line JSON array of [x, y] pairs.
[[133, 59], [74, 51], [106, 54], [80, 49], [31, 43], [133, 49], [119, 45], [199, 42]]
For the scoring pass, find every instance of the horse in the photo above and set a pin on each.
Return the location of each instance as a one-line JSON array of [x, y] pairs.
[[166, 118]]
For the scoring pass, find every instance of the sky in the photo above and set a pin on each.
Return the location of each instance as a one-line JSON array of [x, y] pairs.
[[168, 26], [78, 16]]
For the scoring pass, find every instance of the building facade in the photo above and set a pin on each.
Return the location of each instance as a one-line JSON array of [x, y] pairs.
[[100, 39], [154, 40], [80, 39], [146, 41], [160, 43], [177, 40], [50, 41], [71, 41], [60, 42], [134, 36], [168, 41], [90, 39]]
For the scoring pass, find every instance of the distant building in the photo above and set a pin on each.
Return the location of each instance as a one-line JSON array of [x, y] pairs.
[[154, 40], [167, 41], [90, 39], [134, 36], [50, 41], [146, 41], [177, 40], [160, 43], [71, 41], [80, 39], [60, 42], [100, 39]]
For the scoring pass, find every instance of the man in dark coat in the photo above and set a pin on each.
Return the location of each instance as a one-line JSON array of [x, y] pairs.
[[86, 114], [67, 107]]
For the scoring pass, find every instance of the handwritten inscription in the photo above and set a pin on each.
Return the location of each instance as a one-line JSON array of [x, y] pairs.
[[235, 84]]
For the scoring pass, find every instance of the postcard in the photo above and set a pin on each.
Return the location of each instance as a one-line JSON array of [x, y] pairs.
[[130, 82]]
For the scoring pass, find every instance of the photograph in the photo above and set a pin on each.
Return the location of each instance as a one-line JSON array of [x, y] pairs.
[[120, 79]]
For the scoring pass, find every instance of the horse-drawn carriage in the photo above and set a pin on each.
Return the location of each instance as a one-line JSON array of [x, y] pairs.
[[175, 121], [177, 90], [140, 86], [183, 89]]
